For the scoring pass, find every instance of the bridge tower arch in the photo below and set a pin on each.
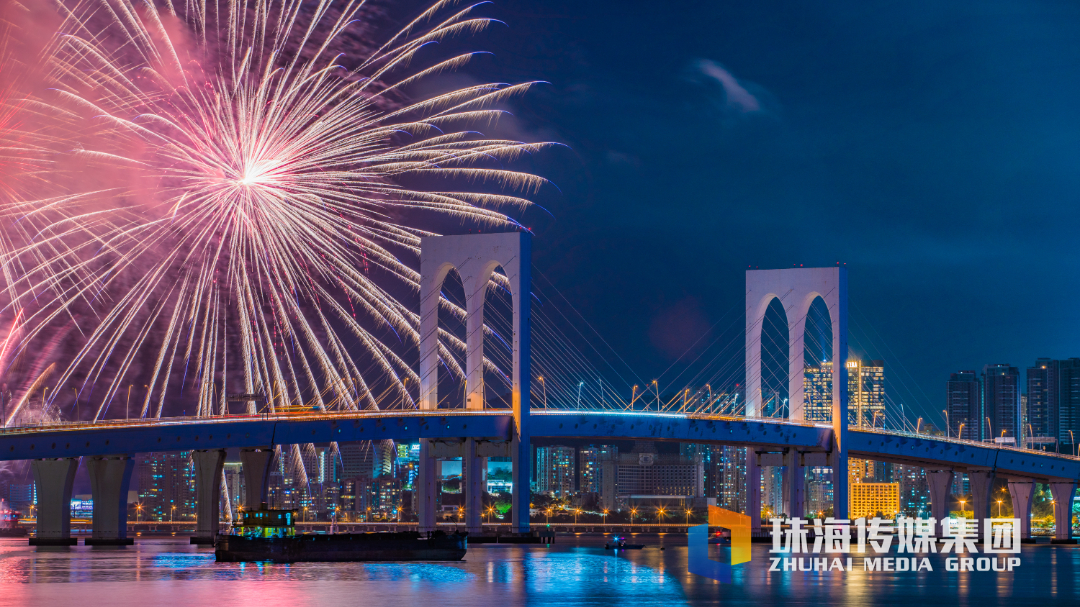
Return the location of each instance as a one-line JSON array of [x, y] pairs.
[[797, 288], [475, 258]]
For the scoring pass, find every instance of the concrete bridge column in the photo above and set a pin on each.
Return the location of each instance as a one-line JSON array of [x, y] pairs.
[[110, 477], [794, 484], [208, 467], [753, 489], [472, 467], [521, 473], [1021, 492], [1063, 492], [426, 487], [255, 464], [982, 485], [53, 478], [939, 482]]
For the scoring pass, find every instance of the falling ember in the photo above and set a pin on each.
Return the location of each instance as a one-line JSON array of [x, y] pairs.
[[239, 179]]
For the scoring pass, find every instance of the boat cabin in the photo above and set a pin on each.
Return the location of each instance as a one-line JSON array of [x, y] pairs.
[[266, 522]]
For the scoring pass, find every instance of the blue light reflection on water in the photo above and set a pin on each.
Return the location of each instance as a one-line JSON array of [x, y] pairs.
[[575, 571]]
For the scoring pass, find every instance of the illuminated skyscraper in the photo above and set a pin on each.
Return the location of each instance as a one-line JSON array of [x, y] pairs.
[[866, 392], [166, 486], [1053, 408], [590, 468], [1001, 402], [555, 470], [963, 403]]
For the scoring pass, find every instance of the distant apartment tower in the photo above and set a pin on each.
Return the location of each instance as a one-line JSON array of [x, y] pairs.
[[963, 404], [914, 490], [866, 392], [819, 491], [166, 486], [1068, 416], [1053, 407], [1041, 411], [1000, 403], [644, 473], [555, 470], [725, 471], [590, 467], [867, 500]]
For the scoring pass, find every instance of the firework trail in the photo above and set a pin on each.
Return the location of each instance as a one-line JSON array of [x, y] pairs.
[[245, 218]]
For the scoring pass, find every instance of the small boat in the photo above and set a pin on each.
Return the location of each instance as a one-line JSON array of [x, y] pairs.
[[9, 524], [270, 535], [620, 544], [720, 538]]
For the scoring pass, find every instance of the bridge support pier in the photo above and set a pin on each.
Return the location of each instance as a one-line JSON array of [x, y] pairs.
[[753, 489], [982, 485], [110, 477], [1063, 493], [521, 473], [939, 482], [255, 464], [794, 484], [53, 478], [472, 467], [208, 467], [1021, 492], [426, 488]]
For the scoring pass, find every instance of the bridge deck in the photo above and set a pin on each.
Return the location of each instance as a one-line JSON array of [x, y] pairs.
[[188, 433]]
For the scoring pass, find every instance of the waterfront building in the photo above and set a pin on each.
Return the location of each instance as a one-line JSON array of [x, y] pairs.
[[963, 403], [1000, 403], [645, 473], [166, 484], [866, 392], [555, 470], [867, 500]]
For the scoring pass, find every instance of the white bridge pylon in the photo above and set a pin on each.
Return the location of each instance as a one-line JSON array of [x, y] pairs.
[[796, 289], [475, 258]]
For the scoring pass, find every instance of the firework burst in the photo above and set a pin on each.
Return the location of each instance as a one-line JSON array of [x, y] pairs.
[[243, 217]]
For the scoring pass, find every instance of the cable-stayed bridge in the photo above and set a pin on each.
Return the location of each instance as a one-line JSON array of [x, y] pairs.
[[475, 429]]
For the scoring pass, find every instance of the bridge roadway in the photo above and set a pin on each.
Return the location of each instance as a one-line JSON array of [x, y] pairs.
[[766, 435], [774, 442]]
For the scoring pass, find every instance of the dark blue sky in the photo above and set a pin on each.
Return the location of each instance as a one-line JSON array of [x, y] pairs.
[[932, 146]]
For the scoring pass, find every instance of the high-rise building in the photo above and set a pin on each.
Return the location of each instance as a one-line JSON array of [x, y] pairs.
[[1053, 408], [867, 500], [234, 486], [1042, 396], [914, 490], [166, 486], [866, 392], [732, 473], [963, 404], [645, 473], [590, 468], [819, 491], [817, 393], [1068, 414], [1000, 403], [555, 470]]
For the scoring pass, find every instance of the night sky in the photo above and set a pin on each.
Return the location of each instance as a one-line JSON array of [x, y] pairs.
[[930, 146]]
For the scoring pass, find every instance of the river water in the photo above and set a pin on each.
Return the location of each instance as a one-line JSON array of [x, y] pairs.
[[575, 571]]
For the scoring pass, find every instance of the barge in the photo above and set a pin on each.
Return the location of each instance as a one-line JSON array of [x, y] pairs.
[[270, 535]]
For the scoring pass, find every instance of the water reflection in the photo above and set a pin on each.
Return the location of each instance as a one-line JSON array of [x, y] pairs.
[[576, 571]]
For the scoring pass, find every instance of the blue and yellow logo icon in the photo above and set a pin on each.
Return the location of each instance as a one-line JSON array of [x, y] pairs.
[[698, 561]]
